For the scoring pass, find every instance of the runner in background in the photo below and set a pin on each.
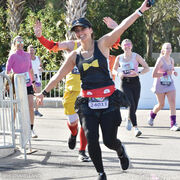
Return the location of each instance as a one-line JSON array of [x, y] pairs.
[[164, 85], [37, 68], [19, 62], [130, 84]]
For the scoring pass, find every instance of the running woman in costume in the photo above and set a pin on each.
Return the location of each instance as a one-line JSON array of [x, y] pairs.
[[164, 85], [37, 67], [130, 83], [19, 61], [72, 86], [99, 103]]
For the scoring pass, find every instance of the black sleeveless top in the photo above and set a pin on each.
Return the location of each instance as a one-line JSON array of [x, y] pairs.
[[94, 72]]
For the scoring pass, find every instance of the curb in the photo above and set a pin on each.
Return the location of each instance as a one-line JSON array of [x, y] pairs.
[[6, 152]]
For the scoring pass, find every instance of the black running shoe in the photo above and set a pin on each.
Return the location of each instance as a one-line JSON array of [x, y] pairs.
[[102, 177], [83, 157], [124, 160], [72, 141]]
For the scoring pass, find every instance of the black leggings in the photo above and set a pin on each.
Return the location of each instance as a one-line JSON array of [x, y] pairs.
[[109, 120], [132, 88]]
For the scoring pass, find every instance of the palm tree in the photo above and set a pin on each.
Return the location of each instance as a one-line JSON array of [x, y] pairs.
[[178, 15], [55, 4], [74, 9], [15, 14], [36, 4], [2, 3]]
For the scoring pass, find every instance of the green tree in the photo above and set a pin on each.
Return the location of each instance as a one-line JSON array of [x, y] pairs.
[[4, 36], [56, 4], [162, 11], [167, 31], [35, 5], [51, 30], [161, 24], [178, 18], [117, 10], [2, 3]]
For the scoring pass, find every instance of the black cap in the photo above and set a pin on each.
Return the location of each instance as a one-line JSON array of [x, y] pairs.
[[80, 22]]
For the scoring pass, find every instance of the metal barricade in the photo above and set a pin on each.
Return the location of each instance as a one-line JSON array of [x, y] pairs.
[[58, 90], [7, 130], [22, 117], [14, 113]]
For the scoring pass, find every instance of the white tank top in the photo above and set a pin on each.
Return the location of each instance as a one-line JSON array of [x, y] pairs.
[[35, 67], [130, 65]]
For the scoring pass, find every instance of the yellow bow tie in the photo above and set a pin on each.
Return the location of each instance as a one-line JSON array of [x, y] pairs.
[[86, 66]]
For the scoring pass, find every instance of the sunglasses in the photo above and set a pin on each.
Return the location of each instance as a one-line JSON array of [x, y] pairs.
[[20, 42], [127, 45]]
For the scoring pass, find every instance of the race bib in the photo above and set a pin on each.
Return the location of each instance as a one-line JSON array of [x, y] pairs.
[[165, 80], [127, 67], [36, 77], [98, 103], [27, 77]]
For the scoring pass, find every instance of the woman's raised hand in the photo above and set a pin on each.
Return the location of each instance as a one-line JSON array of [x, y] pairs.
[[144, 6], [111, 24], [38, 29]]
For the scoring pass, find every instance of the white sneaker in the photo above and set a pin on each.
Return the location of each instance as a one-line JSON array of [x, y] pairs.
[[33, 134], [175, 128], [83, 157], [151, 121], [128, 124], [137, 132]]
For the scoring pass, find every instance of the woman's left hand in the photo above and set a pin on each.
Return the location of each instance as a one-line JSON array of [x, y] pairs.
[[133, 73], [34, 87], [175, 73]]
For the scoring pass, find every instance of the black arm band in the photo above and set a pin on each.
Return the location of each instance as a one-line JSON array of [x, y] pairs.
[[33, 82], [141, 12], [45, 93]]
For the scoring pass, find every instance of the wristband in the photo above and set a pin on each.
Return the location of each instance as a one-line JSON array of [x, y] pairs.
[[165, 74], [45, 93], [33, 82], [139, 12]]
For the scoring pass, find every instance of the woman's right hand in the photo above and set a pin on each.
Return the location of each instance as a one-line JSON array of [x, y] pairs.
[[39, 98], [169, 72], [144, 7], [121, 75], [38, 29], [175, 73]]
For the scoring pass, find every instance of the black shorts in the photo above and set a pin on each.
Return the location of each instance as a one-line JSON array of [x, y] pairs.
[[30, 90]]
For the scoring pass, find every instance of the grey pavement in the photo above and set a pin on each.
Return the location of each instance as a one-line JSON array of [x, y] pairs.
[[154, 156]]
